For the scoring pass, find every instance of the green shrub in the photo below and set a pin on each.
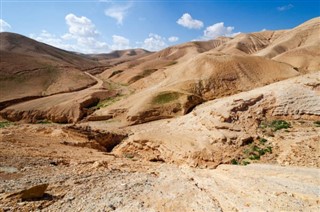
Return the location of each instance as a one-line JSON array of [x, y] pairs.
[[234, 162], [255, 152], [245, 162], [263, 140], [275, 125], [317, 123], [4, 124], [279, 124]]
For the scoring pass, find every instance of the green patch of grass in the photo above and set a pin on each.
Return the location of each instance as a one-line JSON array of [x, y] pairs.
[[44, 121], [115, 73], [4, 124], [172, 63], [317, 123], [165, 97], [275, 125], [141, 75], [107, 102]]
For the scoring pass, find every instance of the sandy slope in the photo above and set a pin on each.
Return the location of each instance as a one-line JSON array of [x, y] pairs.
[[207, 76], [61, 108], [298, 47]]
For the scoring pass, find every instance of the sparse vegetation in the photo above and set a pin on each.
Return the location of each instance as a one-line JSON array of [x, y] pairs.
[[253, 152], [275, 125], [317, 123], [109, 101], [172, 63], [44, 121], [165, 97], [143, 74], [128, 155], [4, 124], [263, 140], [115, 73], [234, 162]]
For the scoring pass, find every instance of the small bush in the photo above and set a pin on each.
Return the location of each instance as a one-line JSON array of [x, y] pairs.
[[263, 140], [234, 162], [275, 125], [255, 152], [245, 162], [317, 123], [279, 124], [4, 124]]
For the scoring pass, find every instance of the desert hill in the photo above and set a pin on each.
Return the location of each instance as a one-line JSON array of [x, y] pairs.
[[31, 69], [21, 45], [298, 47], [168, 83]]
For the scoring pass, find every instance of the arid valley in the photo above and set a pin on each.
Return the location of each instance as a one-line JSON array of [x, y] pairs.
[[227, 124]]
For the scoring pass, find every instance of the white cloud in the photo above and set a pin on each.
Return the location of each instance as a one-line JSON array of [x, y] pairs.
[[80, 26], [285, 7], [82, 36], [4, 26], [120, 42], [84, 33], [264, 29], [218, 29], [187, 21], [154, 42], [52, 40], [118, 12], [173, 39]]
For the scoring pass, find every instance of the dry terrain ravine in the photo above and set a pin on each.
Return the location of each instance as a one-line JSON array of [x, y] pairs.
[[81, 178]]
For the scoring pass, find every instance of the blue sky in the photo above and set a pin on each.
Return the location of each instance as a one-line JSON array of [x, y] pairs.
[[96, 26]]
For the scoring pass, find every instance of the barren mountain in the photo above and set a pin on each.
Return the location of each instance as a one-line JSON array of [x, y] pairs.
[[30, 69], [298, 47]]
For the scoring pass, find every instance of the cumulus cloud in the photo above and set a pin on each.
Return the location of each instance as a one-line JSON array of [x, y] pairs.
[[154, 42], [173, 39], [53, 40], [4, 26], [285, 7], [218, 29], [118, 12], [80, 26], [120, 42], [84, 33], [82, 36], [187, 21]]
